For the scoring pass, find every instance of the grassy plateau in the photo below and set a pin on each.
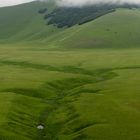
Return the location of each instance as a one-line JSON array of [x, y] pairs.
[[79, 83]]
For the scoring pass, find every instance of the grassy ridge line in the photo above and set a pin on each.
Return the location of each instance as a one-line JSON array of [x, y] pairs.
[[24, 116], [65, 69]]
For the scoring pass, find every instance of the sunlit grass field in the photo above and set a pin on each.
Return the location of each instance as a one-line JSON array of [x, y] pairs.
[[75, 94]]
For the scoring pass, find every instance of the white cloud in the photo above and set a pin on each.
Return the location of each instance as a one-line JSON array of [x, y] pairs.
[[12, 2], [70, 2], [89, 2]]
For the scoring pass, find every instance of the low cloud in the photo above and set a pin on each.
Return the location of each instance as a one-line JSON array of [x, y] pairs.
[[92, 2], [12, 2]]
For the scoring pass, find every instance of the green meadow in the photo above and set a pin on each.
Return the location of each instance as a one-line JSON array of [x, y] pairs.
[[87, 94], [80, 83]]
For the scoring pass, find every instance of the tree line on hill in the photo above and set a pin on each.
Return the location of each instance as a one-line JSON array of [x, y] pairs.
[[69, 16]]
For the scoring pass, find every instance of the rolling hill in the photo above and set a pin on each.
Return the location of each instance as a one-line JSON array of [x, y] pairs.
[[70, 83], [23, 23]]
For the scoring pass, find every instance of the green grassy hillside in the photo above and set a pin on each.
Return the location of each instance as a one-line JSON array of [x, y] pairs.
[[48, 76], [118, 29], [23, 23]]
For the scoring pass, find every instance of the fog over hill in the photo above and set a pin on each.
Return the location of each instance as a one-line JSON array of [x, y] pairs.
[[92, 2], [71, 2]]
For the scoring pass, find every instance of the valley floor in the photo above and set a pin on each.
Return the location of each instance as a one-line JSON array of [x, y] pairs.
[[83, 94]]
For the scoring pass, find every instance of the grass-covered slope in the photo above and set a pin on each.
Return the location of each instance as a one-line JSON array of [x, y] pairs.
[[118, 29], [24, 23]]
